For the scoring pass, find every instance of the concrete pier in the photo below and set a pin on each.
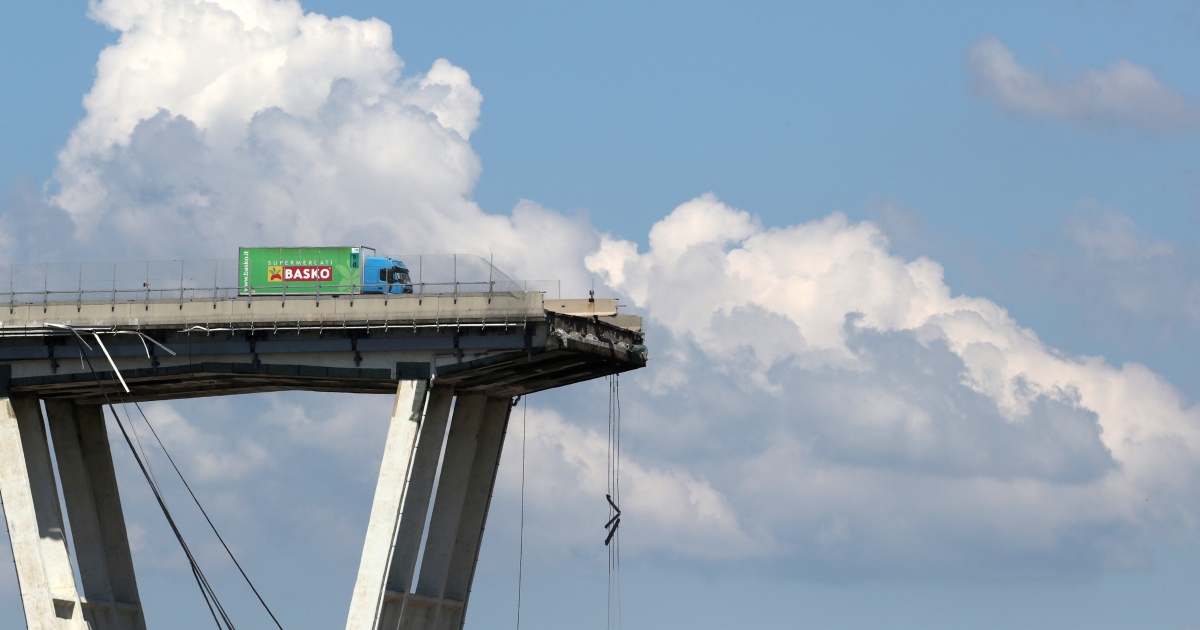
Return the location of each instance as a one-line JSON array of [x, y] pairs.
[[89, 487], [35, 522]]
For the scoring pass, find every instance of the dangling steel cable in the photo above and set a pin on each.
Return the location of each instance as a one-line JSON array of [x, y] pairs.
[[207, 592], [521, 546], [613, 540], [213, 604], [206, 518]]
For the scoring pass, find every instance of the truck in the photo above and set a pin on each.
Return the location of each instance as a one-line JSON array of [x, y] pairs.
[[319, 271]]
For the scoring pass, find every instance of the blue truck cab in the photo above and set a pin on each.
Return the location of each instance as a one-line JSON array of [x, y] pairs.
[[385, 275]]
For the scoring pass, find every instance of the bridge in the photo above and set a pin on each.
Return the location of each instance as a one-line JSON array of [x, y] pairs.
[[454, 354]]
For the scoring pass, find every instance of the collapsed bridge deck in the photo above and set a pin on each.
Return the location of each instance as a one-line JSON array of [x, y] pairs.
[[502, 345]]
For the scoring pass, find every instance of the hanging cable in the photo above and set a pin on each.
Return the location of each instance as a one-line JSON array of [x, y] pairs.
[[612, 540], [206, 518], [197, 574], [206, 590], [150, 468], [617, 400], [521, 546], [215, 608], [138, 440]]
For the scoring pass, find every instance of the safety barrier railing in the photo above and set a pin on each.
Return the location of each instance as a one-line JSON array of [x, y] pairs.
[[217, 279]]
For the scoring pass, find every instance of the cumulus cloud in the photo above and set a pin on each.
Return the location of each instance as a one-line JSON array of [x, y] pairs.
[[212, 125], [673, 511], [1124, 94], [885, 408], [210, 457]]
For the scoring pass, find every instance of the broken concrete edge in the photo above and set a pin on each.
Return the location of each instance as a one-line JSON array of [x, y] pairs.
[[584, 307]]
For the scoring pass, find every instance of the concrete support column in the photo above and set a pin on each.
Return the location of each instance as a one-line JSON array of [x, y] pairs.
[[411, 527], [101, 543], [478, 499], [456, 526], [35, 522], [451, 492], [386, 509]]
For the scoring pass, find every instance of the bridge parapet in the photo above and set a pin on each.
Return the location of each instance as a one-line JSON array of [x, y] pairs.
[[279, 312]]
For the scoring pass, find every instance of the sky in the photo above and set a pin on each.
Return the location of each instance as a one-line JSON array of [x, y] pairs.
[[920, 281]]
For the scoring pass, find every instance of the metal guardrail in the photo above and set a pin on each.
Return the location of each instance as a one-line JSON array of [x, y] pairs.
[[217, 279]]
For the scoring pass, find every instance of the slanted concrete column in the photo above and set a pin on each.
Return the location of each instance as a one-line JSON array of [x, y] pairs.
[[35, 522], [467, 476], [476, 504], [411, 528], [459, 512], [386, 508], [101, 543], [451, 492]]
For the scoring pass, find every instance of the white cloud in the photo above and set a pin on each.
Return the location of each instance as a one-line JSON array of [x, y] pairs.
[[668, 509], [213, 125], [1123, 94], [888, 407], [207, 457], [342, 429]]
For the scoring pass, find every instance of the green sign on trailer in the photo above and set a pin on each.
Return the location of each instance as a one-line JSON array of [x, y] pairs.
[[301, 270]]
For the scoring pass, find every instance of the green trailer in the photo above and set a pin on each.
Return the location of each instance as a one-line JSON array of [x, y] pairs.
[[319, 270], [273, 270]]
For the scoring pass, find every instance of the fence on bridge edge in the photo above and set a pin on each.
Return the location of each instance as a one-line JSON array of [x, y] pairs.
[[215, 279]]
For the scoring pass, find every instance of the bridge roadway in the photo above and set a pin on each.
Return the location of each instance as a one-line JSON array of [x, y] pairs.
[[452, 361]]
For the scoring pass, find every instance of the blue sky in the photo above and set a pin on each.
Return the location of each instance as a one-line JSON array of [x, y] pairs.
[[1074, 208]]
